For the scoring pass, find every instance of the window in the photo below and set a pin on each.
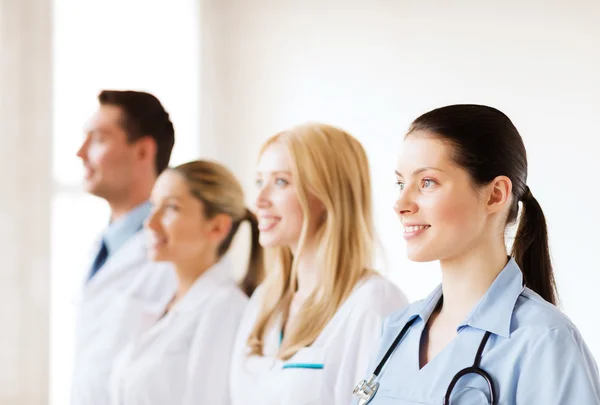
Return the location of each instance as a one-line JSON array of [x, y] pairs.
[[137, 44]]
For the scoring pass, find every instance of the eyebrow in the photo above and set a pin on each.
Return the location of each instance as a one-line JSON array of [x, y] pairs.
[[176, 197], [421, 170], [277, 172]]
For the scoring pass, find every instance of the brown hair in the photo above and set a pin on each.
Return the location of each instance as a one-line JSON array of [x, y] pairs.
[[487, 144], [143, 115]]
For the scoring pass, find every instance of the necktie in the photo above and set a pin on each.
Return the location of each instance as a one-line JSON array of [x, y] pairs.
[[100, 259]]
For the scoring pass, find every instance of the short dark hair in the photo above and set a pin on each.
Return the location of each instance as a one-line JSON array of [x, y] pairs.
[[487, 144], [144, 115]]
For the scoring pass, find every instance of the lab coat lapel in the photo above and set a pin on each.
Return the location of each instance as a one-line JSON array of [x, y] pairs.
[[127, 258], [199, 294]]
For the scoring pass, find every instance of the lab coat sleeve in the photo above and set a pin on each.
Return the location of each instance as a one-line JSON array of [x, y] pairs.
[[559, 369], [363, 334], [210, 355]]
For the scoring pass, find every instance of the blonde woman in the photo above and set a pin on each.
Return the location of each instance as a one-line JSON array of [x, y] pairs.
[[184, 358], [302, 336]]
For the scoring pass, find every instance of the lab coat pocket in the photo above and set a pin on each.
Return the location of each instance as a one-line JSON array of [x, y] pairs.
[[303, 376]]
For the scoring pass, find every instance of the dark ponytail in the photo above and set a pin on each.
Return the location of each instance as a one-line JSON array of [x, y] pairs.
[[487, 145], [255, 272], [531, 252]]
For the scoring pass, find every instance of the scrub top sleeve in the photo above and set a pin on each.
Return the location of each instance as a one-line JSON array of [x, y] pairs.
[[559, 370], [210, 355]]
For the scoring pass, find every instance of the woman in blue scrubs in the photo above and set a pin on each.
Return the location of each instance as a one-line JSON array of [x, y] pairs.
[[462, 175]]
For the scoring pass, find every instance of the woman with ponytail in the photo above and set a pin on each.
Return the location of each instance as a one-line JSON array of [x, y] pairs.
[[462, 177], [184, 357]]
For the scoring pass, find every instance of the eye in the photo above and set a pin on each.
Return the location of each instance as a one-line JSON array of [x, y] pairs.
[[400, 184], [281, 182], [427, 183], [97, 137], [258, 183], [172, 207]]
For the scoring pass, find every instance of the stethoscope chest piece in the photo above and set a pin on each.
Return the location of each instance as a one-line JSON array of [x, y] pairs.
[[366, 390]]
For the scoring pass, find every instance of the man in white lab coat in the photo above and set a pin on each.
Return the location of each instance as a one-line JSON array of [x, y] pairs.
[[127, 144]]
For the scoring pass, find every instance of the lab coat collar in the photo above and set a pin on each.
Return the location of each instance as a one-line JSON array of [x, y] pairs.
[[129, 258], [493, 312], [217, 275]]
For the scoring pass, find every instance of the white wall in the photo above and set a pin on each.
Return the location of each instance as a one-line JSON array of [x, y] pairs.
[[25, 119], [373, 66]]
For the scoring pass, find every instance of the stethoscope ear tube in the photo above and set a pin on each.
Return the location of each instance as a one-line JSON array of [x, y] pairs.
[[393, 347]]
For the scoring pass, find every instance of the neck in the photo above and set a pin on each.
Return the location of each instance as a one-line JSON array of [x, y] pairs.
[[121, 206], [466, 279], [307, 271], [189, 271]]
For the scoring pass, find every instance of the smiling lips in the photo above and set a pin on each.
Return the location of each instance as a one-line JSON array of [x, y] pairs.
[[157, 241], [412, 230], [267, 222]]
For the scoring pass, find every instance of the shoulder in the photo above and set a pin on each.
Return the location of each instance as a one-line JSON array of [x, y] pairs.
[[376, 295], [153, 280], [549, 337], [398, 319], [229, 295], [535, 317]]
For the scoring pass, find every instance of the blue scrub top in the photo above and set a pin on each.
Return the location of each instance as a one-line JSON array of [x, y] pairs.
[[535, 355]]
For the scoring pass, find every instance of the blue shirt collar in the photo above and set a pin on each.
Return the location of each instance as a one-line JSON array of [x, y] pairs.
[[118, 232], [493, 312]]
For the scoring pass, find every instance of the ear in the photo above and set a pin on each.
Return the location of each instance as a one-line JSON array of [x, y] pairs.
[[499, 192], [146, 149], [219, 227]]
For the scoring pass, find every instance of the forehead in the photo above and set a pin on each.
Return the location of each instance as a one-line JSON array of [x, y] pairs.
[[106, 117], [275, 158], [423, 150], [170, 184]]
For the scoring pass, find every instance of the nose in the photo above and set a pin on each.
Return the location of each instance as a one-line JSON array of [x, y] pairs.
[[153, 220], [406, 203], [263, 197], [82, 151]]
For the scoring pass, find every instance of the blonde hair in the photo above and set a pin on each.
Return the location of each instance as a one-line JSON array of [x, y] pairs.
[[332, 166], [221, 193]]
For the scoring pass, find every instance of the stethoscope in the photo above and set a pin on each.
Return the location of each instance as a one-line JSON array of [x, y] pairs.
[[366, 390]]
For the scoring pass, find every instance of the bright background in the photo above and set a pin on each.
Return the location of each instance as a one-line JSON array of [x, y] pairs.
[[233, 72]]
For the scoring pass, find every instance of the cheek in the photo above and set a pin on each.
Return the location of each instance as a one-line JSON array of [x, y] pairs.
[[455, 214], [98, 153], [290, 208], [182, 231], [108, 158]]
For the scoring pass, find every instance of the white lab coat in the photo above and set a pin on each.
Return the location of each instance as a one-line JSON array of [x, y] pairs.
[[123, 299], [326, 372], [185, 358]]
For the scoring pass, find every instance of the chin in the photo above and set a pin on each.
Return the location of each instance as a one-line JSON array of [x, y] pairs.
[[268, 242], [90, 187], [157, 256], [95, 189], [420, 256], [268, 245]]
